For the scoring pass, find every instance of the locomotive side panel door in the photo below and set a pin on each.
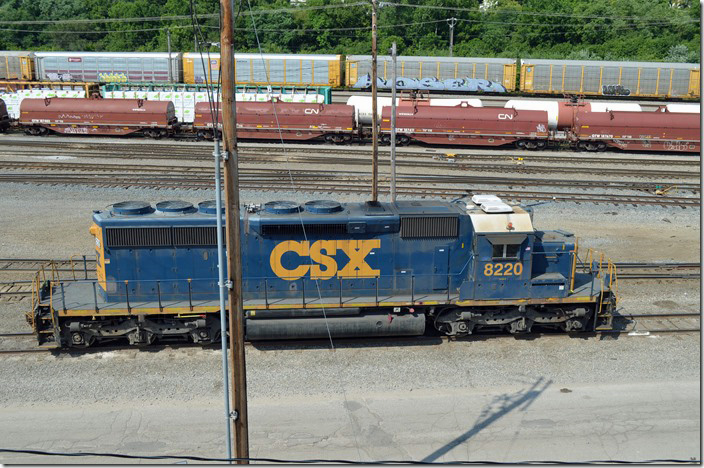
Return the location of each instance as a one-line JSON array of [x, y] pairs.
[[441, 260], [502, 266]]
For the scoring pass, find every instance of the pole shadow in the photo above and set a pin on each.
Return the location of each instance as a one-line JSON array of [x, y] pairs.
[[506, 402]]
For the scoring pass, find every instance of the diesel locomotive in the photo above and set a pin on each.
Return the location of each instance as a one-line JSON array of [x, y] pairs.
[[323, 267]]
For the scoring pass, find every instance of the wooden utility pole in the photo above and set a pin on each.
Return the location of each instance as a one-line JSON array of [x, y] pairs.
[[452, 22], [168, 48], [232, 230], [375, 135]]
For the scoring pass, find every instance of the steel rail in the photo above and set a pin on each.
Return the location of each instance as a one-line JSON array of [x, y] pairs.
[[172, 151]]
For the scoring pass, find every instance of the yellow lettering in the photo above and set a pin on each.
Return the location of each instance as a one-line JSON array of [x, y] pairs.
[[357, 250], [330, 247], [301, 248]]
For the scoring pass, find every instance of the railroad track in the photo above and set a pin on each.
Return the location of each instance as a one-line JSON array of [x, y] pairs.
[[629, 324], [516, 167], [336, 182], [203, 150]]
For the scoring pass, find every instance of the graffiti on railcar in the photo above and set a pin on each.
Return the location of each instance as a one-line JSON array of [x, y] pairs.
[[473, 85], [615, 90]]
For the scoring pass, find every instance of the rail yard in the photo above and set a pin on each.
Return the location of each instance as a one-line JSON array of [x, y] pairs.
[[487, 253]]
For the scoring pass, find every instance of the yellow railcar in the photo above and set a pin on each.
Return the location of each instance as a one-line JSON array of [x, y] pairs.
[[274, 69], [497, 70], [613, 79], [16, 65]]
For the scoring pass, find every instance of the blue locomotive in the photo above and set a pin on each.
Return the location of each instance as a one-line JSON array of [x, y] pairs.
[[354, 269]]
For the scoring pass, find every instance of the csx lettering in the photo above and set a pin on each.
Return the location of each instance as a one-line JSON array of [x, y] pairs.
[[321, 264], [505, 116]]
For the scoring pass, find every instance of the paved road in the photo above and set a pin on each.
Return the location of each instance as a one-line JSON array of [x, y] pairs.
[[537, 421]]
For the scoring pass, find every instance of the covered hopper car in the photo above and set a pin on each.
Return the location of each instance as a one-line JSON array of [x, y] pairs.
[[466, 125], [350, 270], [640, 131], [4, 117], [97, 116], [334, 123]]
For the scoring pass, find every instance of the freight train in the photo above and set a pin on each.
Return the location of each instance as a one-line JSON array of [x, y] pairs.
[[569, 123], [447, 74], [323, 269]]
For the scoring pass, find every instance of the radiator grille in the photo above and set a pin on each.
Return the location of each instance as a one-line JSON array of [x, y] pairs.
[[426, 227], [195, 235], [312, 230], [138, 237], [161, 236]]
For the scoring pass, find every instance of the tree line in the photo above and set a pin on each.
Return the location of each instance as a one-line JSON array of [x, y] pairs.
[[646, 30]]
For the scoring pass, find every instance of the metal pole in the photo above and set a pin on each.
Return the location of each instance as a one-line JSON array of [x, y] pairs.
[[393, 123], [375, 136], [452, 22], [222, 289], [232, 226], [168, 49]]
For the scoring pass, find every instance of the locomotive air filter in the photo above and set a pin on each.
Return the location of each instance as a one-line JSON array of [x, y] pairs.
[[209, 207], [175, 206], [127, 208], [282, 207], [323, 206]]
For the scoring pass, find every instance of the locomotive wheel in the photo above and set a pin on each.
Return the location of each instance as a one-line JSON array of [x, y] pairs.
[[385, 140], [403, 140], [81, 340], [521, 144], [601, 147], [37, 131], [542, 144], [154, 133]]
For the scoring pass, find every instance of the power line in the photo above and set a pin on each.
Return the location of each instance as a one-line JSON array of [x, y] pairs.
[[183, 17], [348, 462], [515, 12]]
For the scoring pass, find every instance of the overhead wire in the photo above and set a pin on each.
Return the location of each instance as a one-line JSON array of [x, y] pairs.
[[303, 227], [340, 461]]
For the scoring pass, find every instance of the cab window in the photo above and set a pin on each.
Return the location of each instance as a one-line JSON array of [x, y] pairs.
[[505, 251]]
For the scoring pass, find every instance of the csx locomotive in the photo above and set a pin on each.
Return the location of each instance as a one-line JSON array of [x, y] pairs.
[[353, 269]]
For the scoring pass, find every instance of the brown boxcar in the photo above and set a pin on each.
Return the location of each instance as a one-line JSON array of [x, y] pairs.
[[466, 125], [4, 117], [637, 131], [335, 123], [94, 116]]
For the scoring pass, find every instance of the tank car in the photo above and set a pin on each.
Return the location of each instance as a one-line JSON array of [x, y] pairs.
[[334, 123], [4, 117], [466, 125], [97, 116], [637, 131], [355, 269]]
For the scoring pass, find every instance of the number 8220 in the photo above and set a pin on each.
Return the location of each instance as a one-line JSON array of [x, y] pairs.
[[503, 269]]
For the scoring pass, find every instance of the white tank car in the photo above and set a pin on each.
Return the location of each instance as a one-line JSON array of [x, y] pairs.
[[688, 108], [363, 105], [553, 108]]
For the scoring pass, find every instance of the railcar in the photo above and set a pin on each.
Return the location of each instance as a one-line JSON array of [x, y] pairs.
[[355, 269], [469, 74], [16, 65], [97, 116], [638, 131], [268, 69], [466, 125], [108, 67], [4, 117], [334, 123], [612, 79]]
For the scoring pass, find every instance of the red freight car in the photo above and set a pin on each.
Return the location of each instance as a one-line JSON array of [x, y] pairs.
[[467, 125], [97, 116], [4, 117], [637, 131], [335, 123]]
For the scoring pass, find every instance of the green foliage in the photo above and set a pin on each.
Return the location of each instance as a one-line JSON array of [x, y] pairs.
[[653, 30]]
